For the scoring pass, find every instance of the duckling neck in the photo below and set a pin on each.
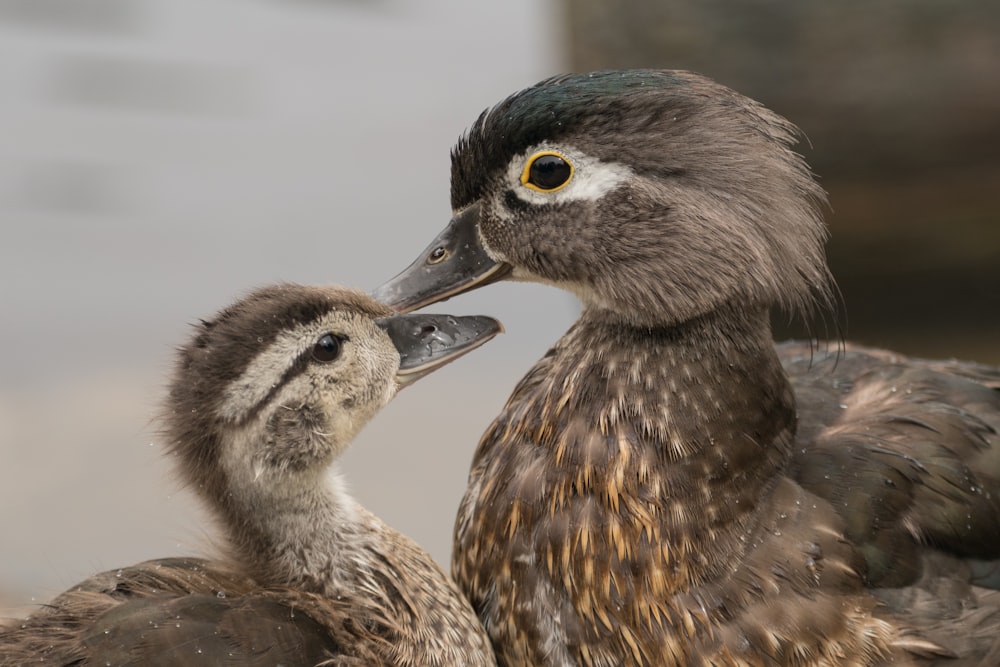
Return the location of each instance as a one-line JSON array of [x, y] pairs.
[[682, 431], [309, 536]]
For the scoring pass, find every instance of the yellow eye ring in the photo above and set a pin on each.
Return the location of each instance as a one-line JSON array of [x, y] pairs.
[[547, 171]]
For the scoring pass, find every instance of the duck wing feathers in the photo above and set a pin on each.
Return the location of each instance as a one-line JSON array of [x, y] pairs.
[[189, 611], [907, 451]]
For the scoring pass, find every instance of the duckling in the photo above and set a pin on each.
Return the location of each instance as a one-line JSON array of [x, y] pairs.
[[264, 398], [666, 486]]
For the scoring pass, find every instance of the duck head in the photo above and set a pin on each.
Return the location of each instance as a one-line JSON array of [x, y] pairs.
[[270, 391], [657, 196]]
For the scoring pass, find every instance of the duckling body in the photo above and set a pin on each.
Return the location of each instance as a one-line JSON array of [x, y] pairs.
[[264, 398], [666, 487]]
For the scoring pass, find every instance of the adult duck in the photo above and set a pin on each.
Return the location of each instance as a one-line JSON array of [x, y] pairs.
[[264, 398], [665, 486]]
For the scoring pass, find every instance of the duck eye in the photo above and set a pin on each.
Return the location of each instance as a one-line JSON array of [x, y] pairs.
[[546, 172], [327, 348]]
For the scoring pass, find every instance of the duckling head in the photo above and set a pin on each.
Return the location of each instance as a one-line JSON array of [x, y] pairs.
[[270, 391], [658, 196]]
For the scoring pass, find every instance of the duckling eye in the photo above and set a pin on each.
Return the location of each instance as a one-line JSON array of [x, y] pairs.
[[546, 172], [327, 348]]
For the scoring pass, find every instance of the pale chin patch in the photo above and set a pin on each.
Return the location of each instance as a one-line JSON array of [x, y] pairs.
[[587, 296], [592, 178], [390, 392]]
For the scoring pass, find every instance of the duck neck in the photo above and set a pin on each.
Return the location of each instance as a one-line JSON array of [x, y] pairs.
[[696, 420], [307, 534]]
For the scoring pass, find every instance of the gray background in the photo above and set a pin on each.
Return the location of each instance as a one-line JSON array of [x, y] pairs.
[[160, 157]]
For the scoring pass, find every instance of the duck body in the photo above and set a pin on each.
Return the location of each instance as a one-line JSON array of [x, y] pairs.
[[656, 526], [665, 521], [264, 398], [394, 606], [667, 487]]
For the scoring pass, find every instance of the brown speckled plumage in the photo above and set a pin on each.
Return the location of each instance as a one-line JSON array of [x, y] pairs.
[[666, 487], [255, 420]]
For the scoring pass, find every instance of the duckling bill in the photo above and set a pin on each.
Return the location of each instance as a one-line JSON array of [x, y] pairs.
[[666, 486], [428, 342], [264, 398]]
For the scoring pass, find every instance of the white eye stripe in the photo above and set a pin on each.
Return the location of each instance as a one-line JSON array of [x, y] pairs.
[[268, 368], [592, 178]]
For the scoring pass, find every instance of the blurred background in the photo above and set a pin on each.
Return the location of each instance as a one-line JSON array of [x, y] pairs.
[[160, 157]]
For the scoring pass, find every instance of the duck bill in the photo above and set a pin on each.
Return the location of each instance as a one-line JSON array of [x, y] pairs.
[[427, 342], [453, 263]]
